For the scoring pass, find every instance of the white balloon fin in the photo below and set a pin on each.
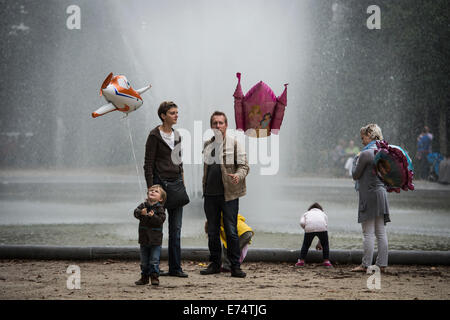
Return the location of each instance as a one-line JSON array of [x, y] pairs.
[[106, 82], [142, 90], [103, 110]]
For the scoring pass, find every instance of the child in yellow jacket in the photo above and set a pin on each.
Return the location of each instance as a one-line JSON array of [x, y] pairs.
[[245, 234]]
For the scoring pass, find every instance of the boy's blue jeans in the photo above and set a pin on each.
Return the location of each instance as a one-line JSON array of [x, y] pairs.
[[150, 256]]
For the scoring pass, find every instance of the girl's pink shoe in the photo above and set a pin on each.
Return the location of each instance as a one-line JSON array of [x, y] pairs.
[[327, 264], [300, 263]]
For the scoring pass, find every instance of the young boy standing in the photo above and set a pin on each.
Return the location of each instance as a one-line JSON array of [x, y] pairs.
[[151, 215]]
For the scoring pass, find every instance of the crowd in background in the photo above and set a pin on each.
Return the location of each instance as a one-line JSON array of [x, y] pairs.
[[428, 165]]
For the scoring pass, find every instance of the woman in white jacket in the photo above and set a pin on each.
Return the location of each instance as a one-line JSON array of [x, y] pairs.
[[315, 223]]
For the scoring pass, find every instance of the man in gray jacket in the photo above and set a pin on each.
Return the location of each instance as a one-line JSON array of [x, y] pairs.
[[225, 169]]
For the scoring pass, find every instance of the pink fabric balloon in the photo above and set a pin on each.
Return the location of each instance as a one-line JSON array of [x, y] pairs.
[[394, 167], [243, 253], [259, 109]]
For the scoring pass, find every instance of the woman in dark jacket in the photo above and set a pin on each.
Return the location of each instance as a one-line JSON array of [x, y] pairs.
[[373, 207], [159, 164]]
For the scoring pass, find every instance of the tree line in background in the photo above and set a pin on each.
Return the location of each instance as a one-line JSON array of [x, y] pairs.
[[397, 76]]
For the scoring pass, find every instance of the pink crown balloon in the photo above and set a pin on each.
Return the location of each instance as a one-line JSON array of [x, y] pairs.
[[259, 109], [394, 167]]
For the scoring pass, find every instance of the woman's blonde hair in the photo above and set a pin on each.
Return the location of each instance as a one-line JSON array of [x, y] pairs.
[[373, 131]]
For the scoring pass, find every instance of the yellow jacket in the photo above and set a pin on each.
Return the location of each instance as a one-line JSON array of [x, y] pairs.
[[242, 228]]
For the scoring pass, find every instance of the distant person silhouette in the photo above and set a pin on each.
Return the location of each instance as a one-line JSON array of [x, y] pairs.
[[424, 141], [350, 152], [338, 157]]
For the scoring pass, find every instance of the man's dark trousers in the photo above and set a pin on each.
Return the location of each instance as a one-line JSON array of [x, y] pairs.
[[213, 206]]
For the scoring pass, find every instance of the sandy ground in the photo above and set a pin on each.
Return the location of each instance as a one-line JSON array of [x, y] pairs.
[[114, 279]]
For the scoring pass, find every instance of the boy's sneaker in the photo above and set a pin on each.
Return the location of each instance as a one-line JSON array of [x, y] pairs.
[[300, 263], [154, 279], [327, 264], [142, 281]]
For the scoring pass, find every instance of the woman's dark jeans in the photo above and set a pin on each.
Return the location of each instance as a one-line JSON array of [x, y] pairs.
[[309, 236], [175, 222], [213, 206]]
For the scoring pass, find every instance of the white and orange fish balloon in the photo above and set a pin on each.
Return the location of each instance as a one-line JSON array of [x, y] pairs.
[[120, 96]]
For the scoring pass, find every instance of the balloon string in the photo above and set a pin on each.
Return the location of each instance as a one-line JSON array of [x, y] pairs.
[[135, 160]]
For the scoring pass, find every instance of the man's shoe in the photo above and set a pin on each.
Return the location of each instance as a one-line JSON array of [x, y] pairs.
[[237, 272], [154, 279], [211, 269], [142, 281], [179, 274]]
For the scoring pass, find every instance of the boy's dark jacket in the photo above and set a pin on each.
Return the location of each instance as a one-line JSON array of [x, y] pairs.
[[150, 228]]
